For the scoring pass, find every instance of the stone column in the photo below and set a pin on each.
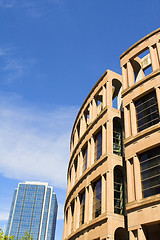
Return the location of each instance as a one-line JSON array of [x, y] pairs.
[[103, 194], [154, 57], [137, 178], [130, 74], [94, 109], [69, 220], [80, 163], [77, 213], [90, 112], [132, 236], [130, 181], [158, 97], [89, 154], [104, 139], [158, 50], [109, 92], [92, 150], [109, 136], [141, 235], [104, 96], [127, 121], [110, 192], [124, 75], [90, 205], [86, 212], [133, 118]]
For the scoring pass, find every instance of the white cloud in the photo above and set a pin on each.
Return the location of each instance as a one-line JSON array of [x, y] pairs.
[[60, 214], [34, 143], [13, 66], [4, 216]]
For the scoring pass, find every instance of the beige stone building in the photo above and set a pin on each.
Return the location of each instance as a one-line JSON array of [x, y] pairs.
[[113, 189]]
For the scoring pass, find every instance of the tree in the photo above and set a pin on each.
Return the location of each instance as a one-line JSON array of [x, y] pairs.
[[27, 236], [4, 236]]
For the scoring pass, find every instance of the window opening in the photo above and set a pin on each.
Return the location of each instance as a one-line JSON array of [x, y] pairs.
[[86, 115], [97, 198], [118, 191], [75, 167], [82, 208], [147, 111], [117, 138], [85, 155], [150, 172], [98, 146], [78, 129], [142, 65]]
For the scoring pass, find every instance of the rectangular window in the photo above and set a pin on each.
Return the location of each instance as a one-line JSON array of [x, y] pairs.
[[147, 111], [150, 172], [98, 146], [85, 154], [97, 198], [82, 208]]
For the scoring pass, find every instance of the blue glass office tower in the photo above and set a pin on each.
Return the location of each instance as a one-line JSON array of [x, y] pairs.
[[33, 209]]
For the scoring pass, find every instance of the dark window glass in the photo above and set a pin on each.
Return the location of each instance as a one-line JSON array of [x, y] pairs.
[[85, 153], [82, 208], [97, 199], [98, 146], [150, 172], [117, 138], [118, 192], [147, 111]]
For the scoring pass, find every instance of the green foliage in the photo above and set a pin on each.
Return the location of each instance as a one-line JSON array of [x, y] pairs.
[[27, 236], [4, 236]]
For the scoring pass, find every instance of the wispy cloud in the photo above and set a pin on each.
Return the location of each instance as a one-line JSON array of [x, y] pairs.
[[32, 7], [4, 216], [35, 144], [13, 66]]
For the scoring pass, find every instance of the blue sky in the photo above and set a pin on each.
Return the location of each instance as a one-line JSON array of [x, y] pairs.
[[52, 52]]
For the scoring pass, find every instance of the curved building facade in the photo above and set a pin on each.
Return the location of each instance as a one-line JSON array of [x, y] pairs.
[[113, 189], [141, 102]]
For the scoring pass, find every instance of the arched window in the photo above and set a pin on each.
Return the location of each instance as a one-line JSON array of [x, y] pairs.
[[118, 191], [117, 138]]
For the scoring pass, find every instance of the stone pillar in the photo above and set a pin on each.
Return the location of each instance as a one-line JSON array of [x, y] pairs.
[[94, 109], [133, 118], [104, 139], [109, 136], [90, 205], [86, 212], [92, 150], [104, 96], [109, 92], [77, 213], [137, 177], [158, 50], [130, 74], [141, 235], [110, 192], [90, 112], [127, 121], [154, 57], [80, 163], [103, 194], [89, 154], [130, 181], [124, 75], [158, 97], [69, 220], [73, 175], [132, 236]]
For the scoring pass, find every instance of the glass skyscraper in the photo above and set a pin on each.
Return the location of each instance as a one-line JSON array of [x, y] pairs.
[[33, 209]]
